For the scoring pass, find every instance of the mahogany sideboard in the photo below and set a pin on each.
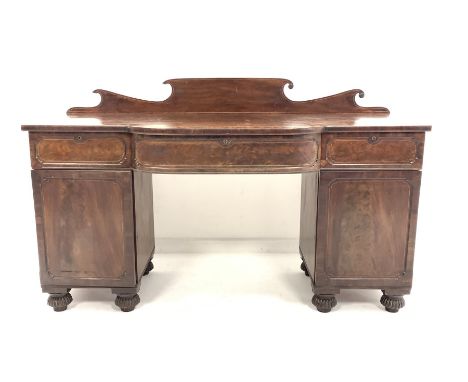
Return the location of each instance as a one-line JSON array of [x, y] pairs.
[[92, 187]]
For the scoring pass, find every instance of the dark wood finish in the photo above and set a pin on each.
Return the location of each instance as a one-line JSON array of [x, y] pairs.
[[372, 150], [148, 269], [233, 154], [127, 290], [239, 95], [324, 302], [208, 124], [83, 150], [144, 220], [307, 236], [242, 106], [304, 268], [127, 302], [85, 227], [358, 217], [59, 301], [392, 304], [54, 289], [366, 228]]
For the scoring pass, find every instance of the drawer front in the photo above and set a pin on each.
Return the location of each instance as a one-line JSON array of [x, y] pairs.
[[372, 150], [80, 150], [228, 154]]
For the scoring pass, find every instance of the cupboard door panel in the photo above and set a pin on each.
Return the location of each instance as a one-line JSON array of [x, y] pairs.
[[85, 227], [366, 227]]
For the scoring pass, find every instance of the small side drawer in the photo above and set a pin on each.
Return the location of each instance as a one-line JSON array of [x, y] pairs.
[[372, 150], [80, 150], [233, 154]]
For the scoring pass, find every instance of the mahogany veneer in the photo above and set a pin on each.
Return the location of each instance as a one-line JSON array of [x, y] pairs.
[[360, 188], [227, 154], [80, 150]]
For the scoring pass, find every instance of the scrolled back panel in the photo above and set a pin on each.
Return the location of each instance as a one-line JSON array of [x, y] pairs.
[[227, 95]]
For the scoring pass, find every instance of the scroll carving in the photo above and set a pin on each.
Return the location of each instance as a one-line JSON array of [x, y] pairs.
[[228, 95]]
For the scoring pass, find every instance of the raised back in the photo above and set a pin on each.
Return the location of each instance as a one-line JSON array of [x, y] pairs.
[[228, 95]]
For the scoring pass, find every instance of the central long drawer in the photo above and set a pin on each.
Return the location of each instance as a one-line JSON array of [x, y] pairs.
[[228, 154]]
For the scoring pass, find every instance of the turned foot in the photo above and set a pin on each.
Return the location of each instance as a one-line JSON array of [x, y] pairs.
[[59, 301], [304, 268], [149, 268], [392, 303], [324, 302], [127, 302]]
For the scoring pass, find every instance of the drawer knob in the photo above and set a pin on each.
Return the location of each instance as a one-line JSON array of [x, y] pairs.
[[225, 142], [373, 139]]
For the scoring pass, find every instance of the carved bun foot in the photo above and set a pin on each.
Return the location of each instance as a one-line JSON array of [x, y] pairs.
[[127, 302], [304, 268], [392, 303], [324, 302], [59, 301], [149, 268]]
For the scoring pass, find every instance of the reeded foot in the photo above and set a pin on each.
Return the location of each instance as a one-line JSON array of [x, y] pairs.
[[324, 302], [392, 303], [149, 268], [127, 302], [304, 268], [59, 301]]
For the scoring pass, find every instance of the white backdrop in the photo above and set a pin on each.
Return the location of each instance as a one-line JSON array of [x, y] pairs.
[[248, 316], [227, 206]]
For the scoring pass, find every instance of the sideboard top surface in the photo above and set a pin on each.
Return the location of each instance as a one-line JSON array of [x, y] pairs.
[[234, 106]]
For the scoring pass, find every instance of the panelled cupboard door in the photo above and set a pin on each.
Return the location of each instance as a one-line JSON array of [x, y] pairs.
[[85, 227], [366, 228]]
